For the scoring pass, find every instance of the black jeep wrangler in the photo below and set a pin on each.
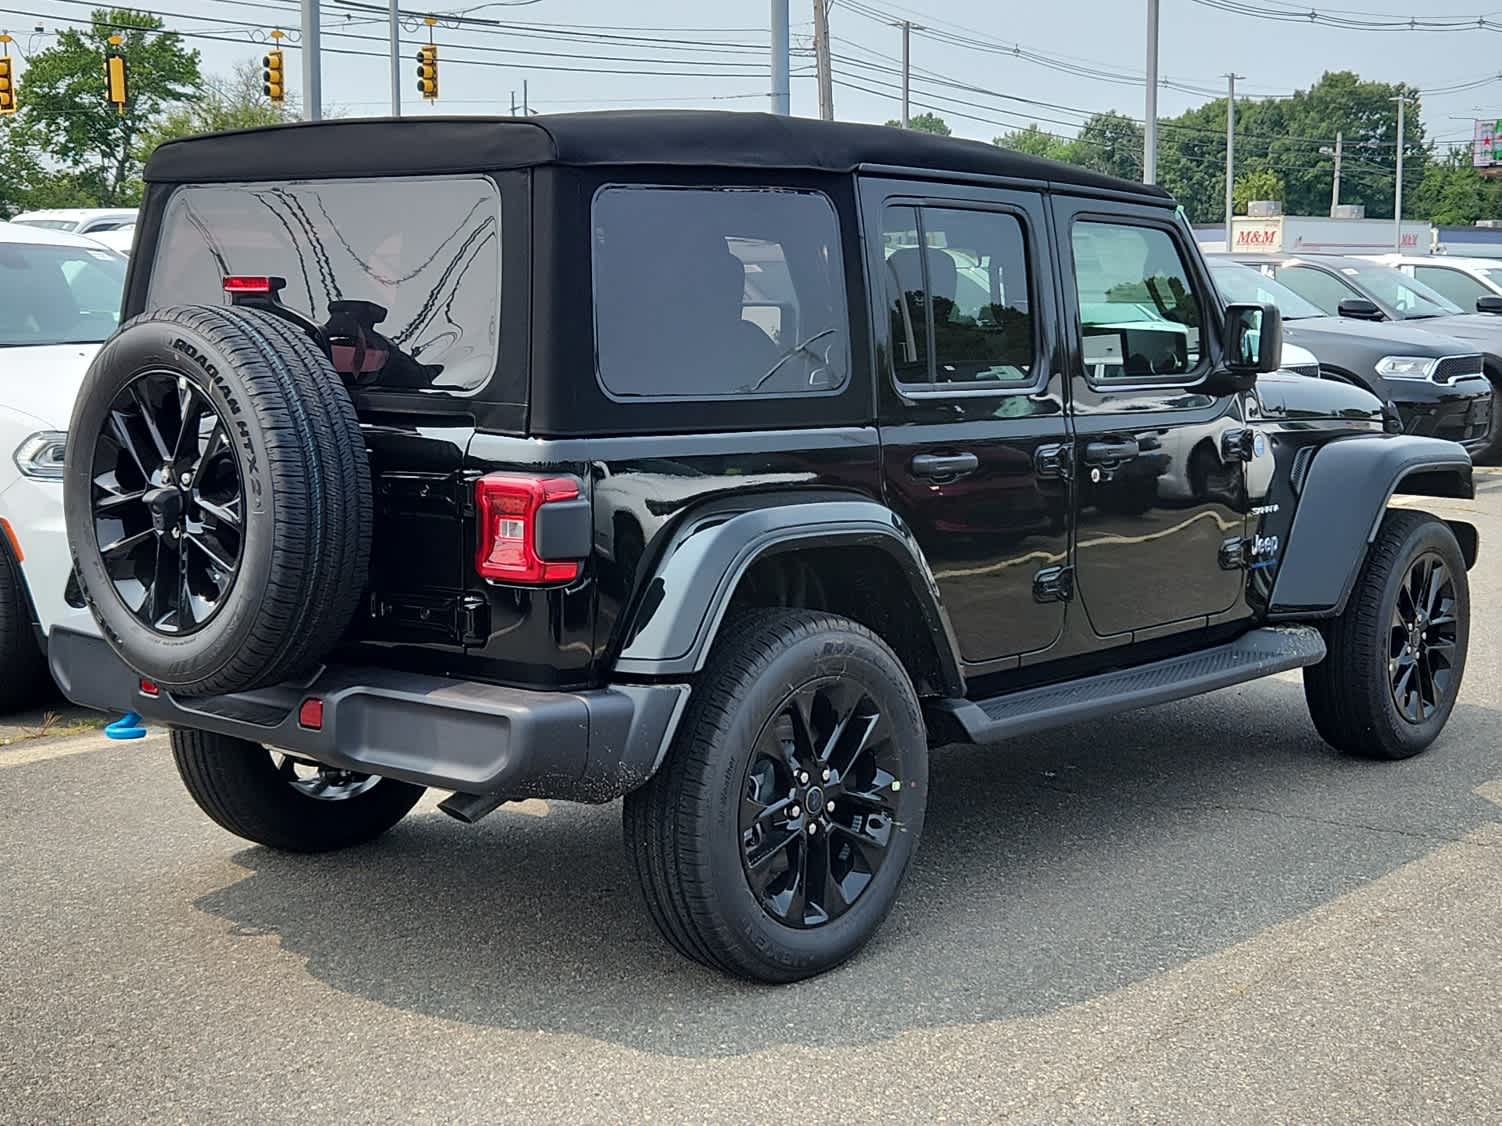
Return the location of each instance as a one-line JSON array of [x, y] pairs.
[[721, 462]]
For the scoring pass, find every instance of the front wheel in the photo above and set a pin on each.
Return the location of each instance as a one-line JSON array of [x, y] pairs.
[[773, 841], [283, 802], [1397, 653]]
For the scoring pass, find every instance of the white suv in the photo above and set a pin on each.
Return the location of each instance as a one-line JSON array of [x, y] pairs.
[[59, 299]]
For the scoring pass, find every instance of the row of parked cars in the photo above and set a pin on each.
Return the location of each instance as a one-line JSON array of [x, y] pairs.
[[1384, 325]]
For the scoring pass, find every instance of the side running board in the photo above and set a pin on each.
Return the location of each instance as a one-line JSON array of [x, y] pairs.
[[1259, 653]]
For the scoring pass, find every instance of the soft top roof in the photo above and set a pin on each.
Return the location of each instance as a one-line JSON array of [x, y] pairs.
[[414, 146]]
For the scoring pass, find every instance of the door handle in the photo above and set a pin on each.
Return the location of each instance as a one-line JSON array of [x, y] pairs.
[[944, 465], [1111, 450]]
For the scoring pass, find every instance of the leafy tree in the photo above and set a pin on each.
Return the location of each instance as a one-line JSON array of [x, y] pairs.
[[925, 123], [1260, 183], [63, 111], [1034, 142], [234, 102], [1110, 143]]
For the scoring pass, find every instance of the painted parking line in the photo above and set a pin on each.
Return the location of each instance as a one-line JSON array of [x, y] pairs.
[[42, 750]]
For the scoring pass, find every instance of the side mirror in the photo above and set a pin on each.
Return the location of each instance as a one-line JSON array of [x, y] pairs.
[[1254, 338], [1359, 309], [1489, 303]]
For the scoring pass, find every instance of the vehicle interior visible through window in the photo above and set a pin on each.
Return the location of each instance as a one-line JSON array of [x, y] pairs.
[[1139, 314], [58, 294]]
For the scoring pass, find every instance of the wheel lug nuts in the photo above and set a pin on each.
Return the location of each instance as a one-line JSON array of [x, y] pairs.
[[827, 774], [830, 807], [794, 811], [813, 828], [177, 533], [186, 479], [803, 777]]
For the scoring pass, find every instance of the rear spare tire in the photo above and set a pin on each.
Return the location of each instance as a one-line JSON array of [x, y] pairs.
[[217, 498]]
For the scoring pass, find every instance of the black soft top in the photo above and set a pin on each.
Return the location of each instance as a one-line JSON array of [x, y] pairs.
[[414, 146]]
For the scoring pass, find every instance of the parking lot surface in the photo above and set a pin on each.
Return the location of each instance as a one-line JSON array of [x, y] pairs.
[[1193, 913]]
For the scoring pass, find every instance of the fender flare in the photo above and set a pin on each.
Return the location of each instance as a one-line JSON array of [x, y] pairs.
[[681, 605], [1342, 500]]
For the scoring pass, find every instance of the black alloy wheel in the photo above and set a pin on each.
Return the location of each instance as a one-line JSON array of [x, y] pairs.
[[819, 806], [168, 503], [1422, 644]]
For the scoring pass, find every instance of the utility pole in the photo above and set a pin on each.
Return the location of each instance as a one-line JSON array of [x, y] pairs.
[[312, 75], [907, 69], [1326, 150], [1230, 152], [1150, 116], [526, 100], [821, 60], [782, 102], [1397, 206], [394, 35]]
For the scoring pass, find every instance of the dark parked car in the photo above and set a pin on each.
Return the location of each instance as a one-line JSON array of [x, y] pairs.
[[1436, 382], [334, 493]]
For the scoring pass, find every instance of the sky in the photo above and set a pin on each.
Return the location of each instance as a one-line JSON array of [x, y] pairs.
[[984, 65]]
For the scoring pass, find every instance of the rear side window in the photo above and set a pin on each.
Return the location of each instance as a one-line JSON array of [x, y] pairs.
[[718, 293], [1453, 284], [1324, 290], [403, 274]]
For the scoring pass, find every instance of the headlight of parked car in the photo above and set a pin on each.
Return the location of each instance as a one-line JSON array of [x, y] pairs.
[[1406, 367], [41, 455]]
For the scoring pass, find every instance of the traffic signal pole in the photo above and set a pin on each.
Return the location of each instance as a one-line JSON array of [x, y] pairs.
[[394, 34], [312, 75]]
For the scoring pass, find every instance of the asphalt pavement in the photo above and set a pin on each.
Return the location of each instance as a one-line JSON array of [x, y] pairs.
[[1194, 913]]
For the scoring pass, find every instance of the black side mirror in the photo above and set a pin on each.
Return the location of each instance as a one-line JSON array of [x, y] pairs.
[[1489, 303], [1254, 338], [1359, 309]]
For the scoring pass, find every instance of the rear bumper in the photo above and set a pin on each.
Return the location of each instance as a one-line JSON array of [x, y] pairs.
[[465, 736]]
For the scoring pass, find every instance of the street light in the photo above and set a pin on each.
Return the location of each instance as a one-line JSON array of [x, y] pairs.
[[1326, 150]]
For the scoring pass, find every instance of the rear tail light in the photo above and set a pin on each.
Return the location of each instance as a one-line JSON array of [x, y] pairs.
[[148, 688], [252, 283], [509, 510], [310, 714]]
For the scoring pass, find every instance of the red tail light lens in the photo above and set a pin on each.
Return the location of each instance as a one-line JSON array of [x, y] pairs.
[[507, 508], [245, 283], [149, 689], [310, 714]]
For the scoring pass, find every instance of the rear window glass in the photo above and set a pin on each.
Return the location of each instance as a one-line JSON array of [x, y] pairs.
[[716, 293], [404, 275]]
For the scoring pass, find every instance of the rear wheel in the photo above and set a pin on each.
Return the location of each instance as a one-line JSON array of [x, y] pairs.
[[773, 841], [1397, 653], [283, 802]]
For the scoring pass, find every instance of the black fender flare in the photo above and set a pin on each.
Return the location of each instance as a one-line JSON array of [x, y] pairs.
[[1342, 500], [682, 603]]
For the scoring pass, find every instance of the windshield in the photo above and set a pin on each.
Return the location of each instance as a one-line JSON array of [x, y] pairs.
[[1395, 289], [1492, 274], [47, 224], [58, 294], [1242, 283]]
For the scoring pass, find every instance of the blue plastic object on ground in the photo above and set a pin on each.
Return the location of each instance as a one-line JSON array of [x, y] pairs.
[[128, 726]]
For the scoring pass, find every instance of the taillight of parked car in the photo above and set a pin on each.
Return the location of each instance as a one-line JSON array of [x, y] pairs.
[[531, 530]]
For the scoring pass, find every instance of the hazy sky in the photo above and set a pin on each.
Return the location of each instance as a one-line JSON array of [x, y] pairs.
[[651, 37]]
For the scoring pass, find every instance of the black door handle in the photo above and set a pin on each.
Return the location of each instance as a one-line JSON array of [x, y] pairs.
[[1110, 450], [944, 465]]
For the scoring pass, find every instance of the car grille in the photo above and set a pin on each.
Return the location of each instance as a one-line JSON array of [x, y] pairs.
[[1310, 370], [1457, 367]]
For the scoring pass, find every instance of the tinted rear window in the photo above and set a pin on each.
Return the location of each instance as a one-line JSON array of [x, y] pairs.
[[404, 274], [714, 293]]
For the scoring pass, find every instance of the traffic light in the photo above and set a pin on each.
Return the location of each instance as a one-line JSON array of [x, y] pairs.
[[274, 86], [427, 72], [114, 74], [7, 88]]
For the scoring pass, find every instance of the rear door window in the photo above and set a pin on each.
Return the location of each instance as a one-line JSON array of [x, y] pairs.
[[403, 274], [1459, 287], [703, 293], [1325, 290]]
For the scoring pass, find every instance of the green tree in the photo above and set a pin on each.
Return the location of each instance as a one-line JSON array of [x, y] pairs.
[[63, 111], [925, 123], [1285, 136], [1259, 183], [1034, 142], [237, 101], [1110, 143], [1453, 194]]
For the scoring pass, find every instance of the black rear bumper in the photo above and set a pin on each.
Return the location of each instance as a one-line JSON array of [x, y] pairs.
[[466, 736]]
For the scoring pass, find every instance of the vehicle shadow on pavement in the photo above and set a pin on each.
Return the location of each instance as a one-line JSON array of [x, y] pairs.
[[1052, 870]]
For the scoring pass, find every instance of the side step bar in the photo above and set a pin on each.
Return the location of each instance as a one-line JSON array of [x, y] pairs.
[[1259, 653]]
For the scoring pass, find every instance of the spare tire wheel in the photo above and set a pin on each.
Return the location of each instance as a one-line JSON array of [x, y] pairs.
[[217, 497]]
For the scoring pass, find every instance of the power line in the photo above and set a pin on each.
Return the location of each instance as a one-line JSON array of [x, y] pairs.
[[1354, 21]]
